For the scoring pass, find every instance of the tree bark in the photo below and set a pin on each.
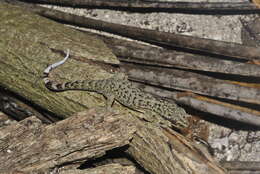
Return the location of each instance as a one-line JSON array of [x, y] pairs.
[[26, 48], [31, 146], [106, 169], [164, 151], [192, 7]]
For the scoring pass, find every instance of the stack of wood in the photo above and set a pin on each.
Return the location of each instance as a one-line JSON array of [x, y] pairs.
[[213, 77]]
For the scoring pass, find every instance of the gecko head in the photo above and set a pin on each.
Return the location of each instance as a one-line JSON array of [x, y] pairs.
[[178, 117]]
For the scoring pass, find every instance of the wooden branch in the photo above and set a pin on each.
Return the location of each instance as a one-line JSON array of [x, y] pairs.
[[133, 52], [45, 43], [222, 109], [162, 38], [157, 6], [29, 146], [19, 110], [189, 81], [106, 169], [10, 107], [205, 104], [242, 167], [163, 146], [89, 134]]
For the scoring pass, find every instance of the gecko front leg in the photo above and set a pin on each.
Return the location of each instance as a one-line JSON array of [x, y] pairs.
[[109, 102]]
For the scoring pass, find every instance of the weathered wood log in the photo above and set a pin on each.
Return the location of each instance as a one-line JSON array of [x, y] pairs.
[[106, 169], [194, 82], [5, 120], [163, 146], [31, 146], [209, 105], [19, 110], [45, 41], [194, 7], [203, 63], [242, 167], [250, 32], [28, 46], [140, 54], [133, 52], [160, 38]]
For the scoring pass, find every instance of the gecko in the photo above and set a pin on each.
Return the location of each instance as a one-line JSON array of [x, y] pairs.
[[119, 88]]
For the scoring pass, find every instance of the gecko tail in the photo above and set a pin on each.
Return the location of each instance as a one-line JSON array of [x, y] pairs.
[[51, 84]]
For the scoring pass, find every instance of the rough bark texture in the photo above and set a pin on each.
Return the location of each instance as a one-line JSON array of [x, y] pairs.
[[191, 81], [106, 169], [132, 52], [29, 43], [192, 7], [147, 56], [26, 49], [31, 146], [238, 88], [209, 105], [169, 152]]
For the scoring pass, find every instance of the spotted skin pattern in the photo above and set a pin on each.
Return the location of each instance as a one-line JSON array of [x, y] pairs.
[[122, 90]]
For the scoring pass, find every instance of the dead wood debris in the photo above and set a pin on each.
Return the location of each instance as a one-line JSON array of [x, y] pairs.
[[220, 48], [85, 135], [192, 7], [155, 37]]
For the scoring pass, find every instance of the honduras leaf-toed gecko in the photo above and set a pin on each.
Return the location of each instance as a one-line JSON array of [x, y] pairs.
[[119, 88]]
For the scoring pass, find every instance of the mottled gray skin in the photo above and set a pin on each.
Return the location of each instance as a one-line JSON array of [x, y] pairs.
[[122, 90]]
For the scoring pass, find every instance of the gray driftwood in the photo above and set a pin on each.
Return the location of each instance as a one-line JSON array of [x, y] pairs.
[[128, 51], [26, 48], [192, 7], [242, 167], [206, 104], [151, 36], [191, 81]]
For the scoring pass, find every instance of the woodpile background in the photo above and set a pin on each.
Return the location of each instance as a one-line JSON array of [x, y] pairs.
[[70, 132]]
